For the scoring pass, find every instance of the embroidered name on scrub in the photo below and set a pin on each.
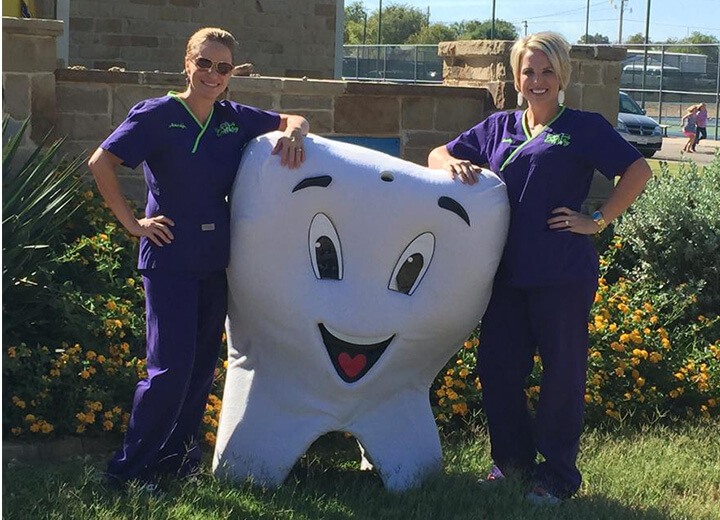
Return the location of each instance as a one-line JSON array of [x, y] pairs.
[[177, 125], [226, 128], [561, 139]]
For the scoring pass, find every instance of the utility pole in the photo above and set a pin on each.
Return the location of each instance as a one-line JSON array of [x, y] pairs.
[[587, 23], [622, 11], [492, 24], [524, 22], [380, 24], [647, 41]]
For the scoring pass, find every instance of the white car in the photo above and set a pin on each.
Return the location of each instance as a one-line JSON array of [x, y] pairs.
[[643, 132]]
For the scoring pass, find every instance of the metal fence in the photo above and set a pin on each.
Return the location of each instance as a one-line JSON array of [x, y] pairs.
[[665, 80]]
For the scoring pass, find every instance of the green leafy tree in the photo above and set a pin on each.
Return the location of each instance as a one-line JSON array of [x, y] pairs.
[[695, 38], [399, 23], [596, 38], [635, 38], [434, 33], [477, 30], [355, 23]]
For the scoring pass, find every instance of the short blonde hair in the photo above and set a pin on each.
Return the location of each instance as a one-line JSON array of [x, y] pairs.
[[210, 34], [553, 45]]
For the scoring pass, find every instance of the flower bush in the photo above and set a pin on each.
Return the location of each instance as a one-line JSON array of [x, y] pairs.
[[72, 368]]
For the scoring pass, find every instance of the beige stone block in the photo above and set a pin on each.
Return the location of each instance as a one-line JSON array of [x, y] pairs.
[[426, 139], [256, 99], [43, 107], [25, 53], [16, 91], [458, 114], [602, 99], [255, 84], [295, 102], [84, 127], [573, 96], [314, 87], [588, 72], [474, 47], [367, 115], [81, 24], [83, 98], [133, 186], [125, 97], [416, 155], [418, 113], [611, 73], [108, 25], [321, 121], [600, 190]]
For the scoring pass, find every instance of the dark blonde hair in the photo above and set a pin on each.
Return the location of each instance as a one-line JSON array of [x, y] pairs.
[[555, 47], [210, 34]]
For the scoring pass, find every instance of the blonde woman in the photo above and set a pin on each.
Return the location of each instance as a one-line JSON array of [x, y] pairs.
[[689, 128], [189, 144], [546, 282]]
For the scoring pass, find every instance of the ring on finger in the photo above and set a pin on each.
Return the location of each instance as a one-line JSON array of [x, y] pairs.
[[567, 222]]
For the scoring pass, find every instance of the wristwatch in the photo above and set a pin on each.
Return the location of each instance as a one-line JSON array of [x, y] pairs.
[[599, 220]]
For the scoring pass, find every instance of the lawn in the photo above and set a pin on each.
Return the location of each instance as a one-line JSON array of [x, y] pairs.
[[654, 473]]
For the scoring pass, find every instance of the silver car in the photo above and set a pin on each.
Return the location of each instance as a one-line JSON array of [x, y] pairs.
[[643, 132]]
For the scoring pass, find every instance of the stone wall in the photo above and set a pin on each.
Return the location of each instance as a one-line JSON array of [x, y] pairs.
[[90, 103], [281, 38], [594, 82], [29, 63]]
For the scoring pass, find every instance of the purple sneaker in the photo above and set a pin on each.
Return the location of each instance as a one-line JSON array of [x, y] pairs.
[[495, 476]]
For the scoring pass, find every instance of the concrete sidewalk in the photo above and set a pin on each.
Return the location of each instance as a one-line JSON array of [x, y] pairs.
[[672, 150]]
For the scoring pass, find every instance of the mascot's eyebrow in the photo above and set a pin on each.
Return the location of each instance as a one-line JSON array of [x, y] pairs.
[[454, 206], [322, 181]]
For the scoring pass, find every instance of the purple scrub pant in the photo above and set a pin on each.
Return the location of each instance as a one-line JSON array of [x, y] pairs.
[[518, 322], [185, 321]]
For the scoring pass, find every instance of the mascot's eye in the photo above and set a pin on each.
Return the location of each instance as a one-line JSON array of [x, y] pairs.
[[413, 263], [325, 251]]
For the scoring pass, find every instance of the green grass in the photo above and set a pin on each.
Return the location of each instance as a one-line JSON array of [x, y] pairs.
[[653, 473]]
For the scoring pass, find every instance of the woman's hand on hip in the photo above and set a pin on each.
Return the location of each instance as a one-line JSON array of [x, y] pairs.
[[156, 229], [291, 150], [565, 219]]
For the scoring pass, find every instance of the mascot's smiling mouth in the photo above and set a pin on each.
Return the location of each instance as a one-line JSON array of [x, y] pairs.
[[352, 356]]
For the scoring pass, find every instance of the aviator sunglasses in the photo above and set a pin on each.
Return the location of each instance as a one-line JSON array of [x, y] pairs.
[[222, 67]]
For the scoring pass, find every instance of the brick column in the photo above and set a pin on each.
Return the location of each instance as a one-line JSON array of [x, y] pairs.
[[29, 61]]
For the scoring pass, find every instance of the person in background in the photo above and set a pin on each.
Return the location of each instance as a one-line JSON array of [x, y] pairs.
[[190, 145], [701, 122], [689, 128], [547, 278]]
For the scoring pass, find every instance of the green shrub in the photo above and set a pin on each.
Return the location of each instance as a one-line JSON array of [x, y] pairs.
[[672, 232]]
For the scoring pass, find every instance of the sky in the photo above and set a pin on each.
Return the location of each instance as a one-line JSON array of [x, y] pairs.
[[668, 18]]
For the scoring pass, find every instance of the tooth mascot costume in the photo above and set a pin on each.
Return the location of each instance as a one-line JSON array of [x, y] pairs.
[[353, 280]]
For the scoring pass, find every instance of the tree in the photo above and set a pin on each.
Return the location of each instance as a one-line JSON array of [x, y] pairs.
[[635, 38], [399, 22], [697, 37], [355, 21], [434, 33], [596, 38], [477, 30]]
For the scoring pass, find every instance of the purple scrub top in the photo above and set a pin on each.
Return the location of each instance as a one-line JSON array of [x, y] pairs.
[[189, 170], [552, 169]]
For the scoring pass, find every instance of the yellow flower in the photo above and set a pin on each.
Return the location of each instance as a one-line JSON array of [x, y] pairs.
[[459, 408], [210, 438], [16, 431], [85, 374], [12, 352], [107, 425], [35, 427], [46, 427], [30, 417], [111, 305], [640, 381]]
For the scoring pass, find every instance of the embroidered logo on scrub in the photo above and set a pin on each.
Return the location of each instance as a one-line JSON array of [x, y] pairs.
[[507, 140], [561, 139], [177, 125], [226, 128]]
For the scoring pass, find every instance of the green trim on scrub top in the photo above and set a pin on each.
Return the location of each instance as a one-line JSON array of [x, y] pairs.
[[203, 127], [529, 136]]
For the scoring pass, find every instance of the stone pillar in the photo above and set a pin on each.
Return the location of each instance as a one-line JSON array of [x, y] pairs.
[[29, 62], [594, 82]]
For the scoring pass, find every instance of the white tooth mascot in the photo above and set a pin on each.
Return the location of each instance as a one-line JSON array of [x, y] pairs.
[[353, 280]]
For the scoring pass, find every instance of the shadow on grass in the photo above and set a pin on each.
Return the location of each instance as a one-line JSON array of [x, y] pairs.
[[325, 484]]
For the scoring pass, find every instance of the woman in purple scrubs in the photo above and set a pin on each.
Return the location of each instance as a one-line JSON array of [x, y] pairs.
[[189, 144], [547, 278]]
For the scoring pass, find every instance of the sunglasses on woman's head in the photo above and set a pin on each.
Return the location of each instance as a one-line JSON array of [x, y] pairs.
[[222, 67]]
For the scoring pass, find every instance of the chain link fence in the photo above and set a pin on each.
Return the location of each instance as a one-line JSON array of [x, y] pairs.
[[663, 79]]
